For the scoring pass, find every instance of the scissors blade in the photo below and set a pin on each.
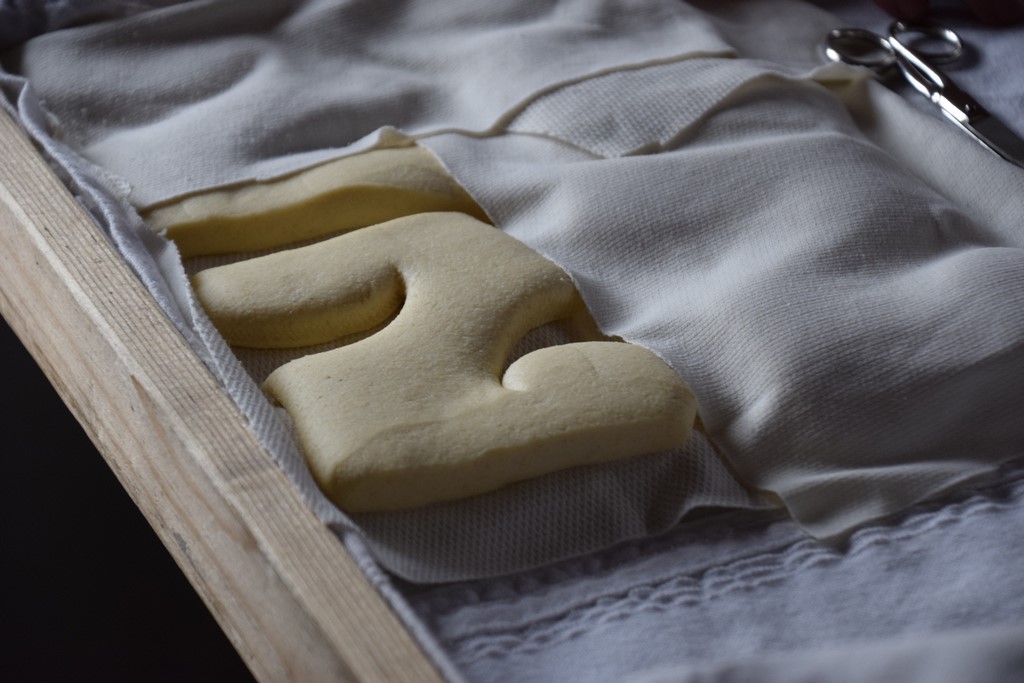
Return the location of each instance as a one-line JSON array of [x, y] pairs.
[[964, 111], [991, 132]]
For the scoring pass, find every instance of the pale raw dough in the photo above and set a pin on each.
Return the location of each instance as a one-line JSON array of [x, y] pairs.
[[421, 411], [348, 193]]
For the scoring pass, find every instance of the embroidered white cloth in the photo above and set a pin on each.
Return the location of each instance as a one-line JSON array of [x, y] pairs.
[[741, 599]]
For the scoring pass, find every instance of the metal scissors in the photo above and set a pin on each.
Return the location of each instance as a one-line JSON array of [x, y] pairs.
[[884, 55]]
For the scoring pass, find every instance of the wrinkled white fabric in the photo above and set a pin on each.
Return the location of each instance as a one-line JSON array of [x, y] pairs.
[[734, 598], [801, 246], [221, 91], [872, 321], [522, 526], [807, 253], [935, 597], [24, 19]]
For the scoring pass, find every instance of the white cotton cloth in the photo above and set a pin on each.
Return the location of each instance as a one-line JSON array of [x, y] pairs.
[[850, 357], [935, 596], [735, 597], [802, 246], [220, 91], [806, 251]]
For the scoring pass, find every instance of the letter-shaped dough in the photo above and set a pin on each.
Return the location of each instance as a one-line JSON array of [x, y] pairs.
[[348, 193], [419, 411]]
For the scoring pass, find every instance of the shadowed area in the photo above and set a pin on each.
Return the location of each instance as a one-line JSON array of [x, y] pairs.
[[90, 591]]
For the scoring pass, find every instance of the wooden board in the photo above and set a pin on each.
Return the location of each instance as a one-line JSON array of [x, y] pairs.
[[281, 585]]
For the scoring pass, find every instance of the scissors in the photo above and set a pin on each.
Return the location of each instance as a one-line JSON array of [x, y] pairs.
[[884, 55]]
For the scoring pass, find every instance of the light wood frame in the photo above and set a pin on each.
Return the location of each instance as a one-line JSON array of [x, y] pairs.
[[281, 585]]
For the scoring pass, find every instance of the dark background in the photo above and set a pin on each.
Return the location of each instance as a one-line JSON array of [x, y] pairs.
[[89, 592]]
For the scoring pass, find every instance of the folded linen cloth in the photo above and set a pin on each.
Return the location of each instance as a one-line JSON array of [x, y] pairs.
[[805, 249]]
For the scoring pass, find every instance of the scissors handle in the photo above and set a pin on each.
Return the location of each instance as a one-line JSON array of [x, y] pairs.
[[932, 83], [946, 45], [881, 54], [861, 47]]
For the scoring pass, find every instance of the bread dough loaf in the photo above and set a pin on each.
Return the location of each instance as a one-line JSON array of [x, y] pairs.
[[348, 193], [424, 410]]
